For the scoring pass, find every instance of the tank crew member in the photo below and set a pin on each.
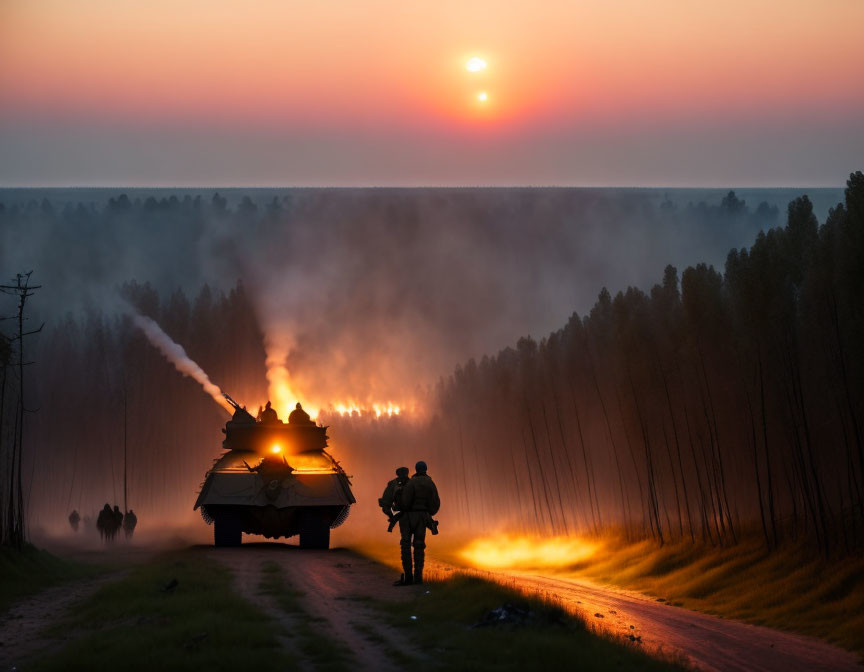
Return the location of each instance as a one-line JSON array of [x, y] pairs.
[[420, 502], [299, 416], [391, 500], [268, 415], [130, 520], [74, 519]]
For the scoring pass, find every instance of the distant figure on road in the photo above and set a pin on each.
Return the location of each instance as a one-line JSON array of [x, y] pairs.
[[420, 502], [268, 415], [105, 522], [130, 520], [118, 521], [391, 500], [299, 416], [74, 519]]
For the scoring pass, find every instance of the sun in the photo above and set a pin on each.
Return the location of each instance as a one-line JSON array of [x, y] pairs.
[[475, 64], [482, 97]]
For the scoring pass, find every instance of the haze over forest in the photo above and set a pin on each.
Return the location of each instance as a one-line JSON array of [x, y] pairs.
[[372, 296]]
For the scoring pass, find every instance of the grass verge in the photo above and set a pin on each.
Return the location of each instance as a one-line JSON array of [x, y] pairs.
[[440, 616], [308, 632], [31, 570], [141, 623], [791, 588]]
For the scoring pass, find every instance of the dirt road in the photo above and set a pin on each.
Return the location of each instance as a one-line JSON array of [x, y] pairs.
[[22, 628], [707, 642], [336, 587]]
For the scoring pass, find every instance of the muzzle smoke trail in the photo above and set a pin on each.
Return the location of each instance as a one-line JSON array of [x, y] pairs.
[[175, 353]]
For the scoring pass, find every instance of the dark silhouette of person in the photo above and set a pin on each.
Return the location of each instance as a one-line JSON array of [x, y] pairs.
[[105, 522], [116, 521], [299, 416], [74, 519], [268, 415], [260, 411], [420, 502], [130, 520], [391, 501]]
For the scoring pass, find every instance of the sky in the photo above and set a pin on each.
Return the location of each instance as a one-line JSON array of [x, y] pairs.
[[355, 93]]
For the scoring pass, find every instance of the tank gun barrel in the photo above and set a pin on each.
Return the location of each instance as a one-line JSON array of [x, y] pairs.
[[233, 403]]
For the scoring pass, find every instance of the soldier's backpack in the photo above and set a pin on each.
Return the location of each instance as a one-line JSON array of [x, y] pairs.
[[397, 496]]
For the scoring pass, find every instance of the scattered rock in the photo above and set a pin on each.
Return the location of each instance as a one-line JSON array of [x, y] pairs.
[[612, 611], [506, 614], [194, 643], [599, 615], [661, 599], [632, 627], [171, 586]]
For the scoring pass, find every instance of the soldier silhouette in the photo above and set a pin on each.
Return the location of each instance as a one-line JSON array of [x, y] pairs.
[[74, 519], [420, 502], [268, 415], [299, 416], [130, 520], [391, 501]]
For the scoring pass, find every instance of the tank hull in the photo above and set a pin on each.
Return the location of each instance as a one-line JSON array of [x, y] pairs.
[[276, 480]]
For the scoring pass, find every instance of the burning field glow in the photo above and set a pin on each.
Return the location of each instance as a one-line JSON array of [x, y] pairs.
[[506, 552], [282, 391]]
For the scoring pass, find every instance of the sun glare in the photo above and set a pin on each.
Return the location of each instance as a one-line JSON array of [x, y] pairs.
[[475, 64], [482, 97], [276, 448]]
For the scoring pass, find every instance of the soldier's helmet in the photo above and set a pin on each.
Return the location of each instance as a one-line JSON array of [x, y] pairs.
[[420, 467], [402, 471]]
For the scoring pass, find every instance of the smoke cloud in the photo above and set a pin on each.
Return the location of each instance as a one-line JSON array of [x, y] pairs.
[[177, 356], [367, 296]]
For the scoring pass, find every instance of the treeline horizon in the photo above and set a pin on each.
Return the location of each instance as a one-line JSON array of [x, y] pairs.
[[711, 406], [707, 408]]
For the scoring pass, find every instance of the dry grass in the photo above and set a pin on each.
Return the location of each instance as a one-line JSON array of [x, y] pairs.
[[792, 588]]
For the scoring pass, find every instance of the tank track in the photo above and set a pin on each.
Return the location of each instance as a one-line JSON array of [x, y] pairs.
[[341, 518]]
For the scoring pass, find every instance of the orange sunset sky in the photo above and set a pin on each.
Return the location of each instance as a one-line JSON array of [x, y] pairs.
[[594, 92]]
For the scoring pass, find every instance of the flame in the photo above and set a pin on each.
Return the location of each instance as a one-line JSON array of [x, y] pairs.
[[349, 408], [276, 448], [507, 552], [283, 396]]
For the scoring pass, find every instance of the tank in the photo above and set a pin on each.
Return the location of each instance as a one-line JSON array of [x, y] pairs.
[[275, 479]]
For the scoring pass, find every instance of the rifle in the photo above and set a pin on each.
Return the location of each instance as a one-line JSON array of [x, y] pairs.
[[393, 520]]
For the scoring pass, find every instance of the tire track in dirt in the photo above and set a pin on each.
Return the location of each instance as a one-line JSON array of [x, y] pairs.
[[23, 627], [335, 584]]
